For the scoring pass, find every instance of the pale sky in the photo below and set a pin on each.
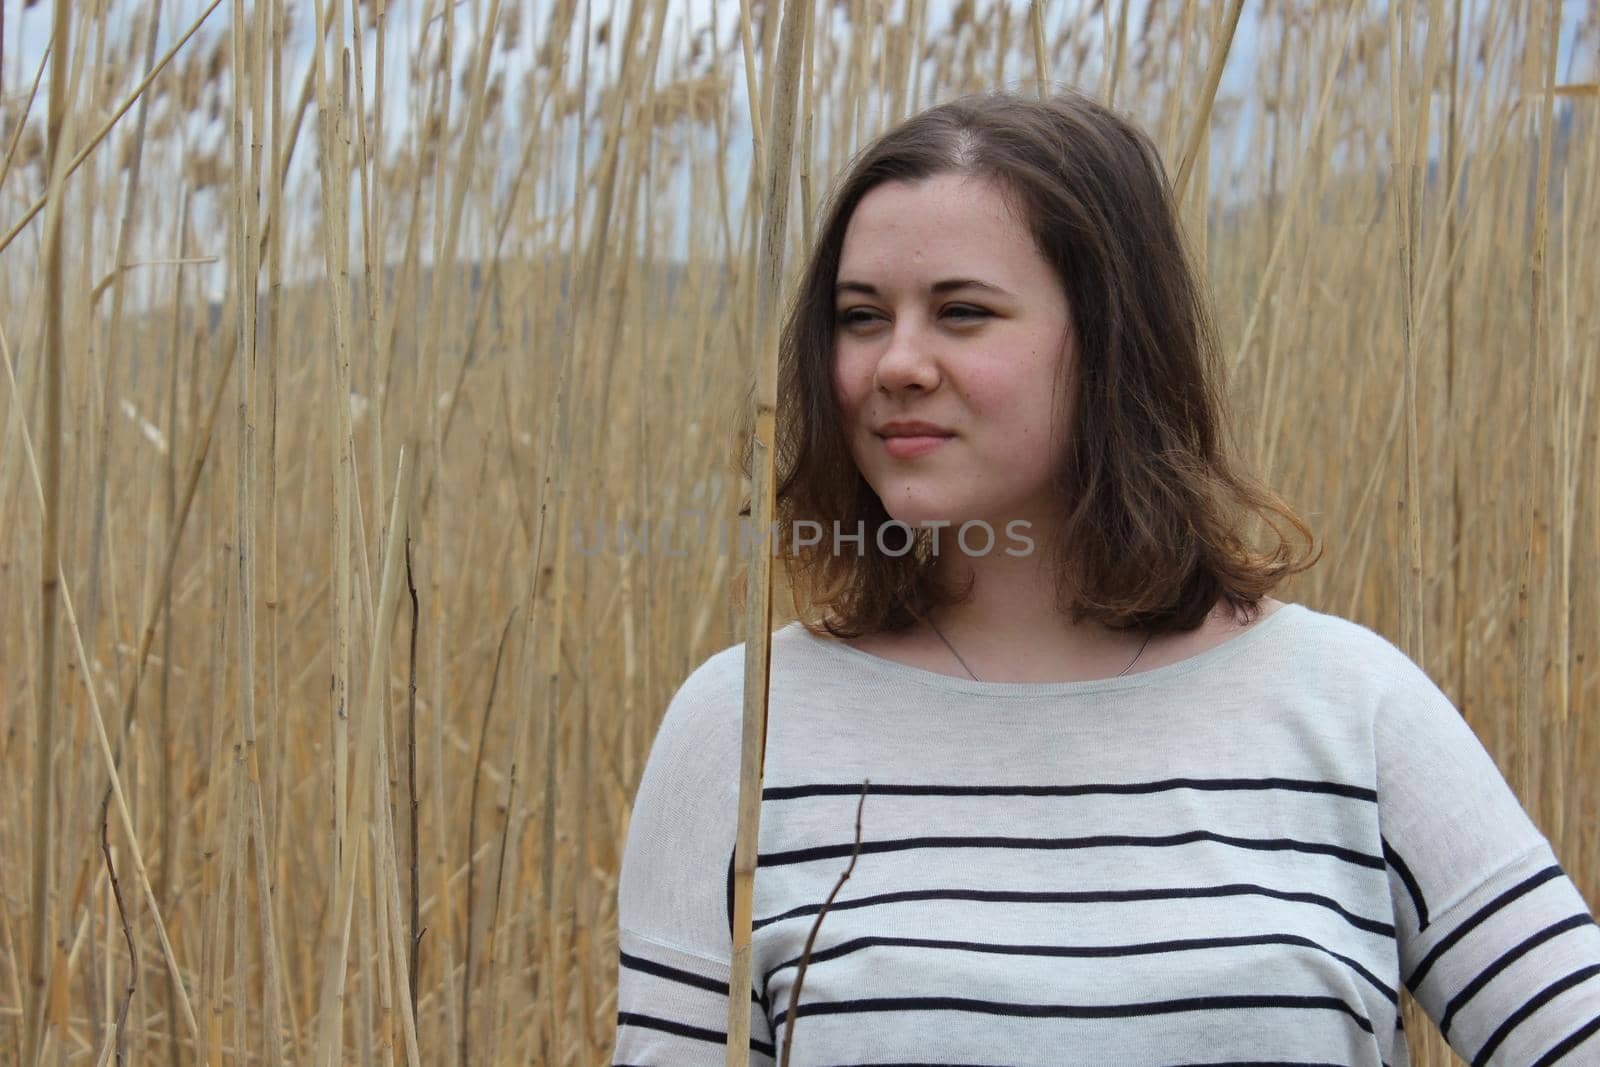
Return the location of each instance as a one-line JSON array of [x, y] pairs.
[[26, 32]]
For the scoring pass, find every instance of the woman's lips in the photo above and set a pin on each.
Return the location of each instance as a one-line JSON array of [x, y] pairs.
[[911, 447]]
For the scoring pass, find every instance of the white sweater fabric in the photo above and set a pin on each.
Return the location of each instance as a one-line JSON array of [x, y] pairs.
[[1233, 859]]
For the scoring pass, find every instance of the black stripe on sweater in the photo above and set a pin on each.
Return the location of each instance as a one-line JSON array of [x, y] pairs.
[[1477, 918], [899, 1064], [824, 789], [1002, 896], [1073, 1011], [674, 974], [1535, 1002], [1411, 885], [1568, 1043], [695, 1033], [1229, 1063], [1279, 844], [1262, 1063], [845, 948], [1510, 956]]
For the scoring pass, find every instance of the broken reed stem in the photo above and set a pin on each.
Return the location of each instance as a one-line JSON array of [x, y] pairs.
[[120, 1038], [811, 938]]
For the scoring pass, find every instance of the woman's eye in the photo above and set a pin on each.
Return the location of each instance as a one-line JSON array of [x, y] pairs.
[[854, 317], [966, 311]]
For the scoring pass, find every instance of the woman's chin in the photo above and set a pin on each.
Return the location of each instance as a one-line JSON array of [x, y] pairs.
[[930, 517], [943, 525]]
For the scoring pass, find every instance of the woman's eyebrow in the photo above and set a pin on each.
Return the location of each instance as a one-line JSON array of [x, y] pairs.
[[944, 286]]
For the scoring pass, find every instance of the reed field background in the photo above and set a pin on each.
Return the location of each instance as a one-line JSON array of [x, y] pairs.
[[333, 350]]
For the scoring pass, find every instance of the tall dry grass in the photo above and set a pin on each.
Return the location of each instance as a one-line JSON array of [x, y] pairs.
[[321, 720]]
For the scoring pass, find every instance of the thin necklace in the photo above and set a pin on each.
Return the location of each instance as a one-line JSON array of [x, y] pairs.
[[964, 666]]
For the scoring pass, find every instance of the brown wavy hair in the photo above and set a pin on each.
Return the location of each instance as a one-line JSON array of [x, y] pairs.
[[1156, 511]]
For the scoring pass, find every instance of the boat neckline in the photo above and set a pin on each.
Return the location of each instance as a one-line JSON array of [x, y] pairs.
[[1138, 680]]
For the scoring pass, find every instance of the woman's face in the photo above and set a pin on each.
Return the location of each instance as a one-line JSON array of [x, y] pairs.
[[947, 315]]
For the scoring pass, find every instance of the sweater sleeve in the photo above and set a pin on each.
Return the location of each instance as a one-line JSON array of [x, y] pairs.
[[1495, 941], [674, 930]]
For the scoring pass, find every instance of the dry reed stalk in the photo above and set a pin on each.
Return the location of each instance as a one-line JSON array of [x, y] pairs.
[[167, 798], [334, 180], [1174, 104], [619, 272], [40, 927], [547, 600], [100, 135], [1452, 384], [472, 839], [156, 613], [758, 592], [1541, 60], [1118, 42], [160, 603], [249, 62], [1301, 174], [363, 816], [116, 281], [1041, 58], [397, 974], [125, 817], [22, 126], [278, 723], [1201, 121], [414, 925], [394, 955], [1570, 390], [752, 93], [454, 1025], [1409, 140]]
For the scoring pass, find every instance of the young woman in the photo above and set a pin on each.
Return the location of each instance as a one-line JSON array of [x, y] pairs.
[[1123, 807]]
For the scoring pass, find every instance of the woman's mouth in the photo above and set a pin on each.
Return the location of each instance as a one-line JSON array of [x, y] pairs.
[[904, 447]]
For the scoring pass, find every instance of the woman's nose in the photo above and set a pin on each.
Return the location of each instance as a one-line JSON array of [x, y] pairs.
[[906, 362]]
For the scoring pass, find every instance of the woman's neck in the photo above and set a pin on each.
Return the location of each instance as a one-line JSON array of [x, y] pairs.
[[1009, 628]]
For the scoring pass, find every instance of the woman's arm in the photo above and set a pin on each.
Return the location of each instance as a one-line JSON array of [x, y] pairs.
[[1496, 943], [673, 926]]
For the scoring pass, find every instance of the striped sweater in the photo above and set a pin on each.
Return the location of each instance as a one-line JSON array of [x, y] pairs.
[[1237, 858]]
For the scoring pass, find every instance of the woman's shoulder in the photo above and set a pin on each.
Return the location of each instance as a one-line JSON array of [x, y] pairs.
[[1338, 633], [1352, 658], [712, 694], [707, 702]]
